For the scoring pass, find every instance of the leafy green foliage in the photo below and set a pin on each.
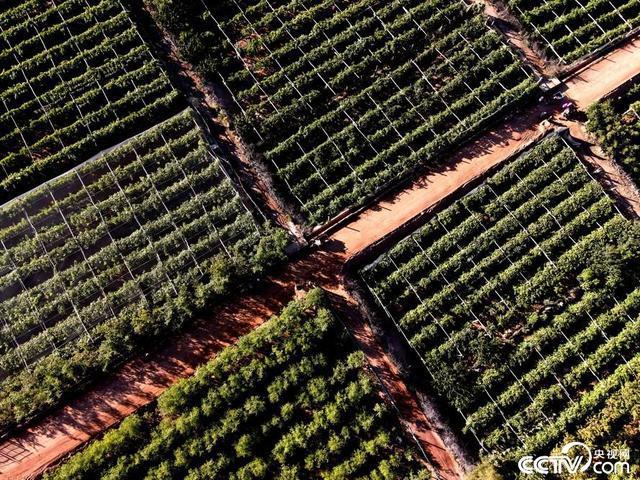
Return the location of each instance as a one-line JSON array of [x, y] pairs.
[[122, 252], [570, 29], [75, 79], [616, 125], [344, 99]]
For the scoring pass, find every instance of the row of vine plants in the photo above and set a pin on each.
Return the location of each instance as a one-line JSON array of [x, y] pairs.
[[567, 30], [75, 79], [615, 122], [343, 99]]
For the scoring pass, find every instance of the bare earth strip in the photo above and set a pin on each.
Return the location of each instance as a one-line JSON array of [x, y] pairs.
[[29, 452], [136, 384], [599, 78], [142, 380], [411, 414], [464, 167], [507, 24], [609, 173]]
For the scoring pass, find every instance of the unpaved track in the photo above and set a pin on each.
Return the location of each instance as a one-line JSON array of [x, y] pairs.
[[515, 36], [134, 386], [599, 78], [141, 380], [467, 165], [411, 415]]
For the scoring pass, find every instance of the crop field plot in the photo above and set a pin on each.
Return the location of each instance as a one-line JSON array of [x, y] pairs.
[[172, 173], [570, 29], [292, 399], [75, 78], [92, 260], [345, 98], [616, 125], [522, 301]]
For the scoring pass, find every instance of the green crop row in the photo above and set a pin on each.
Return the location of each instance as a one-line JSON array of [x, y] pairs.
[[570, 29], [126, 248], [75, 79], [616, 125]]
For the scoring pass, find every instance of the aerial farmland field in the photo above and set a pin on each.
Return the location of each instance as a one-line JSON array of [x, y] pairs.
[[516, 297], [111, 255], [75, 78], [282, 239], [292, 398], [340, 102]]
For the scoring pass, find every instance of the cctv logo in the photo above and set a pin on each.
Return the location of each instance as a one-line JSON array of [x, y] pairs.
[[581, 461]]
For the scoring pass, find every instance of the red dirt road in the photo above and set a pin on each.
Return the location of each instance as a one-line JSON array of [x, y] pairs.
[[515, 36], [411, 415], [143, 379], [468, 164], [605, 75], [609, 173]]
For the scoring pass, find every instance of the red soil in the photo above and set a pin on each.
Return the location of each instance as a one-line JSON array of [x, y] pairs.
[[603, 76], [608, 172], [468, 164], [412, 416], [30, 451], [139, 382]]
